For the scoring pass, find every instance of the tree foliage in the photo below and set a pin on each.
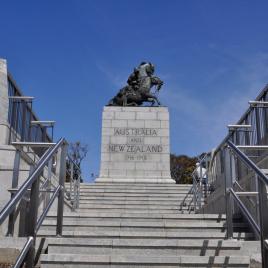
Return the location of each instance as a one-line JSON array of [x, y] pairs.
[[181, 168]]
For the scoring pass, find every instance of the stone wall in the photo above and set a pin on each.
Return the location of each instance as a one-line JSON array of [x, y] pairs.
[[135, 144], [4, 103]]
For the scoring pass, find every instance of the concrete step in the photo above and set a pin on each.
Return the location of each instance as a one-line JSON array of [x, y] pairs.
[[142, 206], [132, 185], [133, 198], [80, 260], [135, 211], [134, 194], [205, 234], [69, 224], [101, 200], [115, 190], [155, 216], [151, 247]]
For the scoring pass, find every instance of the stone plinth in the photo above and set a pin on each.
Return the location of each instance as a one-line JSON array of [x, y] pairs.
[[135, 145]]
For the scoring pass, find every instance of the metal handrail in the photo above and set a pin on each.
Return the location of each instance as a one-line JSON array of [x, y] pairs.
[[32, 178], [24, 252], [33, 182], [74, 184], [248, 162], [260, 229], [251, 220], [195, 190]]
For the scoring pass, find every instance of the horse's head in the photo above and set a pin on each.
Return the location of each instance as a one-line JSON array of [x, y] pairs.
[[156, 81]]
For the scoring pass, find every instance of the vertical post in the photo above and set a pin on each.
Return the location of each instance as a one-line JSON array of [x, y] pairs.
[[263, 208], [258, 132], [32, 220], [15, 179], [228, 198], [72, 184], [194, 193], [48, 186], [78, 190], [62, 176], [23, 125], [200, 190]]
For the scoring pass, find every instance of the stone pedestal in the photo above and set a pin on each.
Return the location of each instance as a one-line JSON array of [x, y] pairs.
[[135, 145]]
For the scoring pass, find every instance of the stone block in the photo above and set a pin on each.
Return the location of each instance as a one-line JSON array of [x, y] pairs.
[[152, 123], [163, 116], [136, 123], [108, 115], [119, 123], [164, 124], [152, 140], [165, 140], [124, 115], [135, 145], [146, 116], [106, 123]]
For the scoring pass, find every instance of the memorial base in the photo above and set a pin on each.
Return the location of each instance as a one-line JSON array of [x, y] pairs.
[[135, 145]]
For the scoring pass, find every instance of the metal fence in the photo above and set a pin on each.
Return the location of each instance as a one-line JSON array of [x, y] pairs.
[[24, 124], [238, 170]]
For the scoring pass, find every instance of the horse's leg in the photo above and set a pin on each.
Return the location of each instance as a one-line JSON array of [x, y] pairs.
[[152, 97]]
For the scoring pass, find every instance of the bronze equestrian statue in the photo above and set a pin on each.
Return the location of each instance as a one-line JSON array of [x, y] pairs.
[[139, 86]]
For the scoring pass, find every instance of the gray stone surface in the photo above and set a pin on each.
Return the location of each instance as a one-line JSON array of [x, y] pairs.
[[4, 103], [135, 145]]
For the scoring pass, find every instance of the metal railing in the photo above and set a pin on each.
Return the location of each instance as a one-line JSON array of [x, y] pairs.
[[233, 156], [32, 184], [199, 189], [74, 176], [235, 170], [24, 124], [256, 116]]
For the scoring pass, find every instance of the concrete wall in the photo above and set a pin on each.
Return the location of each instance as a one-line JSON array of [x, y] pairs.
[[4, 103]]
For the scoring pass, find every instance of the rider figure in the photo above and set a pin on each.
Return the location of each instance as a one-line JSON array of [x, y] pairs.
[[143, 70]]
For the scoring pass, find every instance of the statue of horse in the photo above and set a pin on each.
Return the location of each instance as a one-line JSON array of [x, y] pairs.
[[136, 95]]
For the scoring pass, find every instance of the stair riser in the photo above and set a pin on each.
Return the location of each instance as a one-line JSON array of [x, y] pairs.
[[134, 229], [93, 265], [144, 251]]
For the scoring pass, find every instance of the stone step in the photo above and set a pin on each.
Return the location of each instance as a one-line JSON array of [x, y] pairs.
[[142, 206], [145, 234], [130, 185], [81, 260], [115, 215], [167, 224], [135, 210], [136, 194], [134, 198], [116, 190], [153, 247], [135, 202], [135, 187]]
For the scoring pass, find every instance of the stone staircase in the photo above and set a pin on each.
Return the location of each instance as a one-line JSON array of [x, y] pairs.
[[141, 225]]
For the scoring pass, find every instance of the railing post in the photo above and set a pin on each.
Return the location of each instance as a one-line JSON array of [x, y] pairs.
[[62, 176], [194, 193], [48, 186], [15, 179], [228, 198], [32, 220], [72, 185], [263, 208]]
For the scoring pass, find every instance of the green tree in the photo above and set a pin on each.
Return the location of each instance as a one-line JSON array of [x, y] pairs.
[[181, 168]]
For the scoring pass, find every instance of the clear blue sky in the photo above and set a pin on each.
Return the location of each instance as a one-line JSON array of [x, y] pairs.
[[73, 56]]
